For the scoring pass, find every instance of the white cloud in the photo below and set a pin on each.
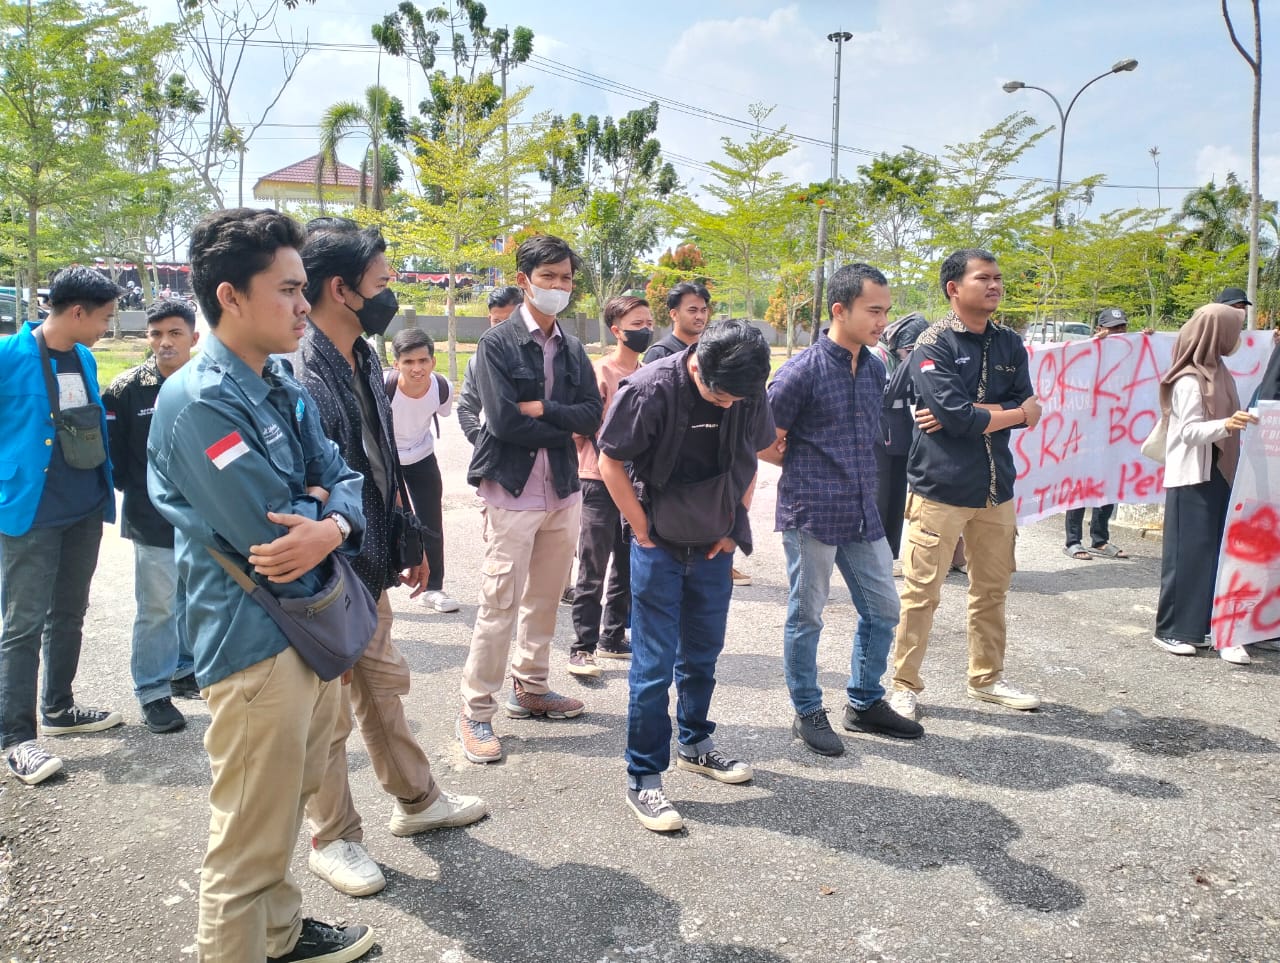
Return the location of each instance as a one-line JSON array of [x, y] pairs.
[[1215, 161]]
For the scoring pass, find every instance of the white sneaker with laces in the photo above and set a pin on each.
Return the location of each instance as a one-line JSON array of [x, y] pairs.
[[447, 810], [1174, 646], [347, 867], [905, 703], [439, 602], [1235, 654], [1003, 694]]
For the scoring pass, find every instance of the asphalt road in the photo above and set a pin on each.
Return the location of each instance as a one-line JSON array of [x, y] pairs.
[[1134, 817]]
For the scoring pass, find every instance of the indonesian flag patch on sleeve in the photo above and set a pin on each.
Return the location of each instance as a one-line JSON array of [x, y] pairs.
[[226, 450], [927, 365]]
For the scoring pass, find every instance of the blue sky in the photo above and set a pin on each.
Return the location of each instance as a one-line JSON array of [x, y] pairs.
[[917, 72]]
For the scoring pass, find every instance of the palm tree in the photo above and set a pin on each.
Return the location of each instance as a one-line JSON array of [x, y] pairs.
[[381, 115], [1216, 216]]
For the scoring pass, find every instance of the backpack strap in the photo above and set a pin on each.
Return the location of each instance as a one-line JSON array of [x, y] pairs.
[[390, 380]]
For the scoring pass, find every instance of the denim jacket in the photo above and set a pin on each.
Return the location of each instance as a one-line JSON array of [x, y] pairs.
[[508, 370]]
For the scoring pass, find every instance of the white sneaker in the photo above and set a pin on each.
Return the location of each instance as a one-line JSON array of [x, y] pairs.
[[1235, 654], [905, 703], [439, 602], [1174, 647], [1003, 694], [347, 867], [447, 810]]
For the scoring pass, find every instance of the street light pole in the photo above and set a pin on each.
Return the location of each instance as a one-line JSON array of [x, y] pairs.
[[1122, 66], [839, 38]]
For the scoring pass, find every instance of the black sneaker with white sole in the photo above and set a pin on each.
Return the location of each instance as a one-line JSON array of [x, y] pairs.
[[32, 764], [654, 810], [321, 943], [716, 765], [79, 719]]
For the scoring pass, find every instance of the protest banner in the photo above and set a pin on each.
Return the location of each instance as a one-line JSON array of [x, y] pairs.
[[1101, 400], [1246, 598]]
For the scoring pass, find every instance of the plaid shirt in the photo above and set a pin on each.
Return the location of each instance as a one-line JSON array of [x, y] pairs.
[[832, 420]]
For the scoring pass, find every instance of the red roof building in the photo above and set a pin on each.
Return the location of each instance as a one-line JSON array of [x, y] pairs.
[[297, 182]]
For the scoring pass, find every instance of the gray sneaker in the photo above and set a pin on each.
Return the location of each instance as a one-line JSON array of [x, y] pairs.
[[815, 731]]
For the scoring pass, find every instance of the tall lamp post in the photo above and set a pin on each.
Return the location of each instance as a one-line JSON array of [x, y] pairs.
[[1122, 67], [839, 38]]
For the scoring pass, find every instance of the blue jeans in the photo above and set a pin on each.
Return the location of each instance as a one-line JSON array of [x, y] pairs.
[[161, 648], [44, 592], [678, 614], [867, 568]]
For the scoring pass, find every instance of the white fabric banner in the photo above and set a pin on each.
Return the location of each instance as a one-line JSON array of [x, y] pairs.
[[1101, 400], [1246, 599]]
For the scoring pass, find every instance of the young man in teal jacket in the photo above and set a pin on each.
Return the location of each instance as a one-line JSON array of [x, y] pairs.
[[51, 517]]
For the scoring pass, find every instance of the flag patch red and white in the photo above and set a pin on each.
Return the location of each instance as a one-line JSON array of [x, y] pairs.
[[927, 365], [226, 450]]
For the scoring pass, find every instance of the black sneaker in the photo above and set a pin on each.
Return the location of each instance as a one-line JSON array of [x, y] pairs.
[[161, 716], [79, 719], [321, 943], [654, 810], [620, 651], [32, 764], [186, 687], [881, 720], [716, 765], [816, 733]]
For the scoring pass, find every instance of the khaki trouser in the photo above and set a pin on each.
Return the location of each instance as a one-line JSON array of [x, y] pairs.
[[990, 536], [527, 557], [268, 738], [378, 681]]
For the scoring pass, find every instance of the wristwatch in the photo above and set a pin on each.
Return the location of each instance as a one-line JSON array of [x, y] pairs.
[[344, 526]]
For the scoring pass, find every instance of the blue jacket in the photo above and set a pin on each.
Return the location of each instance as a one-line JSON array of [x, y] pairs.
[[226, 447], [27, 441]]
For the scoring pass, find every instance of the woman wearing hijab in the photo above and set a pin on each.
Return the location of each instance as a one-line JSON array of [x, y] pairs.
[[896, 428], [1198, 395]]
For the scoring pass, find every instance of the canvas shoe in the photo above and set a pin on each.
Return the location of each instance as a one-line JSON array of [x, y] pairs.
[[1235, 654], [622, 651], [31, 764], [740, 579], [447, 810], [654, 810], [321, 943], [1003, 694], [716, 765], [479, 744], [439, 602], [79, 719], [905, 703], [1174, 646], [584, 664], [347, 867]]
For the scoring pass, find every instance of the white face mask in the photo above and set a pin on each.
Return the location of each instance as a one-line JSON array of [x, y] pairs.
[[548, 300]]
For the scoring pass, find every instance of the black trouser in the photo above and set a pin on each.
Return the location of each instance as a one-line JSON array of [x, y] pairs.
[[1194, 518], [891, 495], [599, 538], [426, 491], [1099, 525]]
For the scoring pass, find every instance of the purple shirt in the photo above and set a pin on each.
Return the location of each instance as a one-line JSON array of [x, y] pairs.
[[539, 494], [832, 420]]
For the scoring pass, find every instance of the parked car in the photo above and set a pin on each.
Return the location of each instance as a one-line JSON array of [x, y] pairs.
[[1055, 331]]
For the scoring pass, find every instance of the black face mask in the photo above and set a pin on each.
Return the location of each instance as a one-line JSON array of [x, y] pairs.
[[376, 312], [638, 339]]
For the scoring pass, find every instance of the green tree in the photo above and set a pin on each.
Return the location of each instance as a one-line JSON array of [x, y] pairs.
[[72, 77], [380, 115], [892, 191], [459, 224], [742, 235], [610, 180]]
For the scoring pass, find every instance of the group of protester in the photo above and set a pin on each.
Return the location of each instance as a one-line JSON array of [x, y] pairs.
[[242, 467]]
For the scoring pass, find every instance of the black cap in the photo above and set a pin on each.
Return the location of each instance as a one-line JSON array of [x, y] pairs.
[[1233, 296], [1112, 318]]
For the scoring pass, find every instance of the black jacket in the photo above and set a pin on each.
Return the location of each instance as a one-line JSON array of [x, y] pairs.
[[508, 370], [961, 465], [664, 347], [324, 372], [130, 402], [647, 421]]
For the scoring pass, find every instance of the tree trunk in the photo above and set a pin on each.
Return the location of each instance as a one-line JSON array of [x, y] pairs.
[[33, 266]]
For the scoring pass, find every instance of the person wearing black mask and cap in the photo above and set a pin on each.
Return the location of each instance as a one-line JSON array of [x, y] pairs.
[[896, 428]]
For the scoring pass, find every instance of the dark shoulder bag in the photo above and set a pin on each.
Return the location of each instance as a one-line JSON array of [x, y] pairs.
[[79, 429], [329, 630]]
